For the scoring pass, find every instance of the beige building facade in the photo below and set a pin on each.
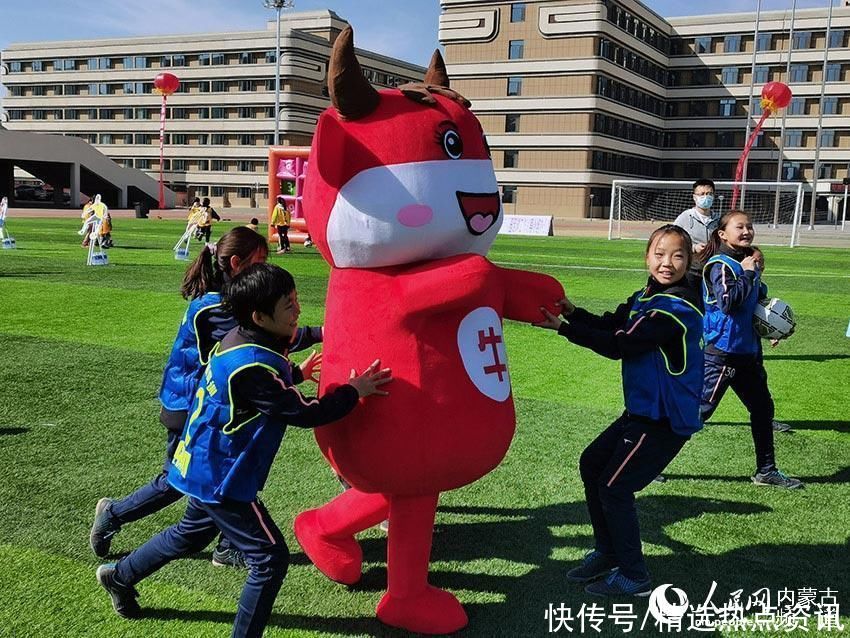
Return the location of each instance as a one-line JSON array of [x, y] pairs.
[[221, 121], [575, 93]]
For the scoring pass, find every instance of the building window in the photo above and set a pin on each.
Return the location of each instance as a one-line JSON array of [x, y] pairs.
[[246, 85], [836, 39], [106, 138], [165, 61], [38, 90], [217, 58], [143, 113], [129, 62], [99, 63], [729, 75], [246, 112], [203, 139], [218, 139], [217, 191], [246, 139], [826, 171], [830, 105], [802, 39], [143, 164], [127, 138], [178, 60], [725, 139], [218, 86], [107, 114], [827, 138], [732, 44], [72, 114], [129, 88], [508, 194], [512, 123], [761, 75], [518, 12], [799, 72], [245, 166], [204, 59], [511, 159], [218, 165], [727, 107], [755, 107], [833, 73], [702, 44], [178, 138], [178, 165], [793, 138], [764, 42], [218, 112], [129, 114], [514, 86], [797, 106], [142, 62], [38, 65], [515, 48], [246, 57], [271, 57], [15, 67]]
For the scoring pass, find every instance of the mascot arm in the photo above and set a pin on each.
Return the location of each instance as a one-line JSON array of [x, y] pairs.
[[526, 292], [443, 284]]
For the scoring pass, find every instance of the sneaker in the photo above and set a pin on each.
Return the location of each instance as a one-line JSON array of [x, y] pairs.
[[105, 526], [229, 557], [777, 478], [287, 250], [280, 252], [123, 596], [618, 585], [307, 243], [779, 426], [594, 565]]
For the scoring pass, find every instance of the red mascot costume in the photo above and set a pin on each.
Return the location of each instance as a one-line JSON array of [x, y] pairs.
[[402, 201]]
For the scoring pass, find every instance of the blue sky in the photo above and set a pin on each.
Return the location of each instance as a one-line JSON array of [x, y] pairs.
[[405, 29]]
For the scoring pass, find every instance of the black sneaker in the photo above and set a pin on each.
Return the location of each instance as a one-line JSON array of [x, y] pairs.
[[618, 585], [777, 479], [779, 426], [594, 565], [229, 557], [123, 596], [105, 526]]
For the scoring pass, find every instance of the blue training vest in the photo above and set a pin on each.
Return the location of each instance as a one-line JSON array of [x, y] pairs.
[[218, 457], [185, 362], [651, 387], [733, 333]]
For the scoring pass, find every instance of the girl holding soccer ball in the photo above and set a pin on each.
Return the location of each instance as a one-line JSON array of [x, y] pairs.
[[733, 356]]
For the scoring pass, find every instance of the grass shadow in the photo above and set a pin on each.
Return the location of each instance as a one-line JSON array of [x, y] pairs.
[[820, 358], [13, 431], [837, 426]]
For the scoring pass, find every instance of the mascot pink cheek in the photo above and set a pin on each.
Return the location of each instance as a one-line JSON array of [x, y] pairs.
[[414, 215]]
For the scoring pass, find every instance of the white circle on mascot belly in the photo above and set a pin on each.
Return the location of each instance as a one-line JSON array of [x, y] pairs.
[[481, 343]]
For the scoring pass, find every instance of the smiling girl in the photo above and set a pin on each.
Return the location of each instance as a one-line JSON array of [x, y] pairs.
[[733, 355], [657, 334]]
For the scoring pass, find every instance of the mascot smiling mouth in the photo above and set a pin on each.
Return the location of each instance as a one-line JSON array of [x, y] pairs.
[[480, 210]]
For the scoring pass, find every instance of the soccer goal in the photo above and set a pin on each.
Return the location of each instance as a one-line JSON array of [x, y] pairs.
[[640, 206]]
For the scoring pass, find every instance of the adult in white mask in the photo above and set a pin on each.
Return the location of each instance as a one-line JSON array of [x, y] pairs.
[[699, 221]]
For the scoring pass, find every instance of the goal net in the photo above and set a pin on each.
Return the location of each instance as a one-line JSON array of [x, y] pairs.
[[640, 206]]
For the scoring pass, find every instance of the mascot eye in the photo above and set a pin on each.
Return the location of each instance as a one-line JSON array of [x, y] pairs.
[[452, 144]]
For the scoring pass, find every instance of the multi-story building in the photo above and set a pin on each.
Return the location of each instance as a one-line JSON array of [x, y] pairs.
[[220, 122], [575, 94]]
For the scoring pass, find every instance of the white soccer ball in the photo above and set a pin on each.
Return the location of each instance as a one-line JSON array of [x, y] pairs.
[[774, 319]]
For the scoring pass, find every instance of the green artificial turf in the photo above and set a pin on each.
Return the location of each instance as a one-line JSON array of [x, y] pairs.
[[81, 354]]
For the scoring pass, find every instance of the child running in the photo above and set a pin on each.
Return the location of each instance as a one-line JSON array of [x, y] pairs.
[[244, 402], [733, 355], [657, 333], [281, 219], [205, 322]]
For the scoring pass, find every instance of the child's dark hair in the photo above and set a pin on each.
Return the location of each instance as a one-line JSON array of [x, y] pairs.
[[206, 273], [703, 181], [672, 229], [206, 201], [256, 289], [712, 246], [196, 200], [254, 221]]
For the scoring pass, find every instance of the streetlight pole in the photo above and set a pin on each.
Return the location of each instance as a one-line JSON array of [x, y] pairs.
[[277, 5]]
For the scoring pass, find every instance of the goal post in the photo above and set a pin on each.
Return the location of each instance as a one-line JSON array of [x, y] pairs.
[[640, 206]]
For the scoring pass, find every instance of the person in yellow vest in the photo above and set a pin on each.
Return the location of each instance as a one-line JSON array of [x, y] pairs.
[[103, 222], [205, 219], [194, 209], [88, 220], [281, 219]]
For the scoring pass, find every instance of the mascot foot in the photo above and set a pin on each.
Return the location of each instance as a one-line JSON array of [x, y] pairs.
[[340, 559], [434, 611]]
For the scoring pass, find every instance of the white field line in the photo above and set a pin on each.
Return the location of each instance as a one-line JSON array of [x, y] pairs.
[[772, 273]]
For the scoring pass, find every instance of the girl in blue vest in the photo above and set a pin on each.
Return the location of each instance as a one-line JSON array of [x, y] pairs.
[[246, 398], [657, 334], [733, 355], [205, 322]]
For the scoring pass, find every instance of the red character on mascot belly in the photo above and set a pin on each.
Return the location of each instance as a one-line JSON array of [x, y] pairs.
[[402, 201]]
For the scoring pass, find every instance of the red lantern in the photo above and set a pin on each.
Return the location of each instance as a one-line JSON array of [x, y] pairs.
[[165, 83], [775, 96]]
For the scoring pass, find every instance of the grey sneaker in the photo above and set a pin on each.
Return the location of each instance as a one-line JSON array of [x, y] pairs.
[[779, 426], [229, 557], [618, 585], [123, 596], [105, 526], [594, 565], [777, 478]]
